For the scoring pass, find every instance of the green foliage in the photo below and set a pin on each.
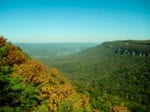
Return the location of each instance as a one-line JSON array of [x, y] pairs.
[[25, 93], [65, 107], [3, 51], [120, 69], [42, 108], [18, 94], [4, 82], [5, 70]]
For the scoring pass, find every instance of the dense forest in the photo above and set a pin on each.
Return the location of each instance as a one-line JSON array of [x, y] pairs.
[[113, 73], [111, 77]]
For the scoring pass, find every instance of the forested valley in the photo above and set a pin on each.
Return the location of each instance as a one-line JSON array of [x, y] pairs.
[[109, 77]]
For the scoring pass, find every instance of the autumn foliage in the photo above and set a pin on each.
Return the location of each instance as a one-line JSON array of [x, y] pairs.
[[53, 87], [10, 54], [33, 87], [2, 41], [119, 109]]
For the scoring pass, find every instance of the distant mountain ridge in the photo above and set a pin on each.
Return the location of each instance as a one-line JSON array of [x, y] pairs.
[[49, 50]]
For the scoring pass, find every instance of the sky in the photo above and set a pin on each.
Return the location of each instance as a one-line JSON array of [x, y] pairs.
[[44, 21]]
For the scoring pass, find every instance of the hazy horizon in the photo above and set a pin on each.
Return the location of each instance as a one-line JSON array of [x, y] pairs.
[[65, 21], [76, 42]]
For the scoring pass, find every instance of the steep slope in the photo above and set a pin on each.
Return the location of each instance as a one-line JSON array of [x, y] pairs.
[[113, 74], [29, 86]]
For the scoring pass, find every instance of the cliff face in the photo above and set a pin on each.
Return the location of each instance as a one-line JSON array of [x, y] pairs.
[[134, 48]]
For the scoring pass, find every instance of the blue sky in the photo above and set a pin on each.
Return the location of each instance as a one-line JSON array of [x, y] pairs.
[[74, 20]]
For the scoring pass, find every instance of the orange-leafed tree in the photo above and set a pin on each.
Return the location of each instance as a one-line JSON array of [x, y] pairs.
[[119, 109], [10, 54], [53, 87], [2, 41], [33, 71]]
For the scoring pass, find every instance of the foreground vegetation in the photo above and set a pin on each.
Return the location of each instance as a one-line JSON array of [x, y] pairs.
[[112, 74], [29, 86]]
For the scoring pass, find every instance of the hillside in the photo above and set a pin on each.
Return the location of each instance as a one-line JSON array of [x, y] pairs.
[[111, 77], [29, 86], [113, 73]]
